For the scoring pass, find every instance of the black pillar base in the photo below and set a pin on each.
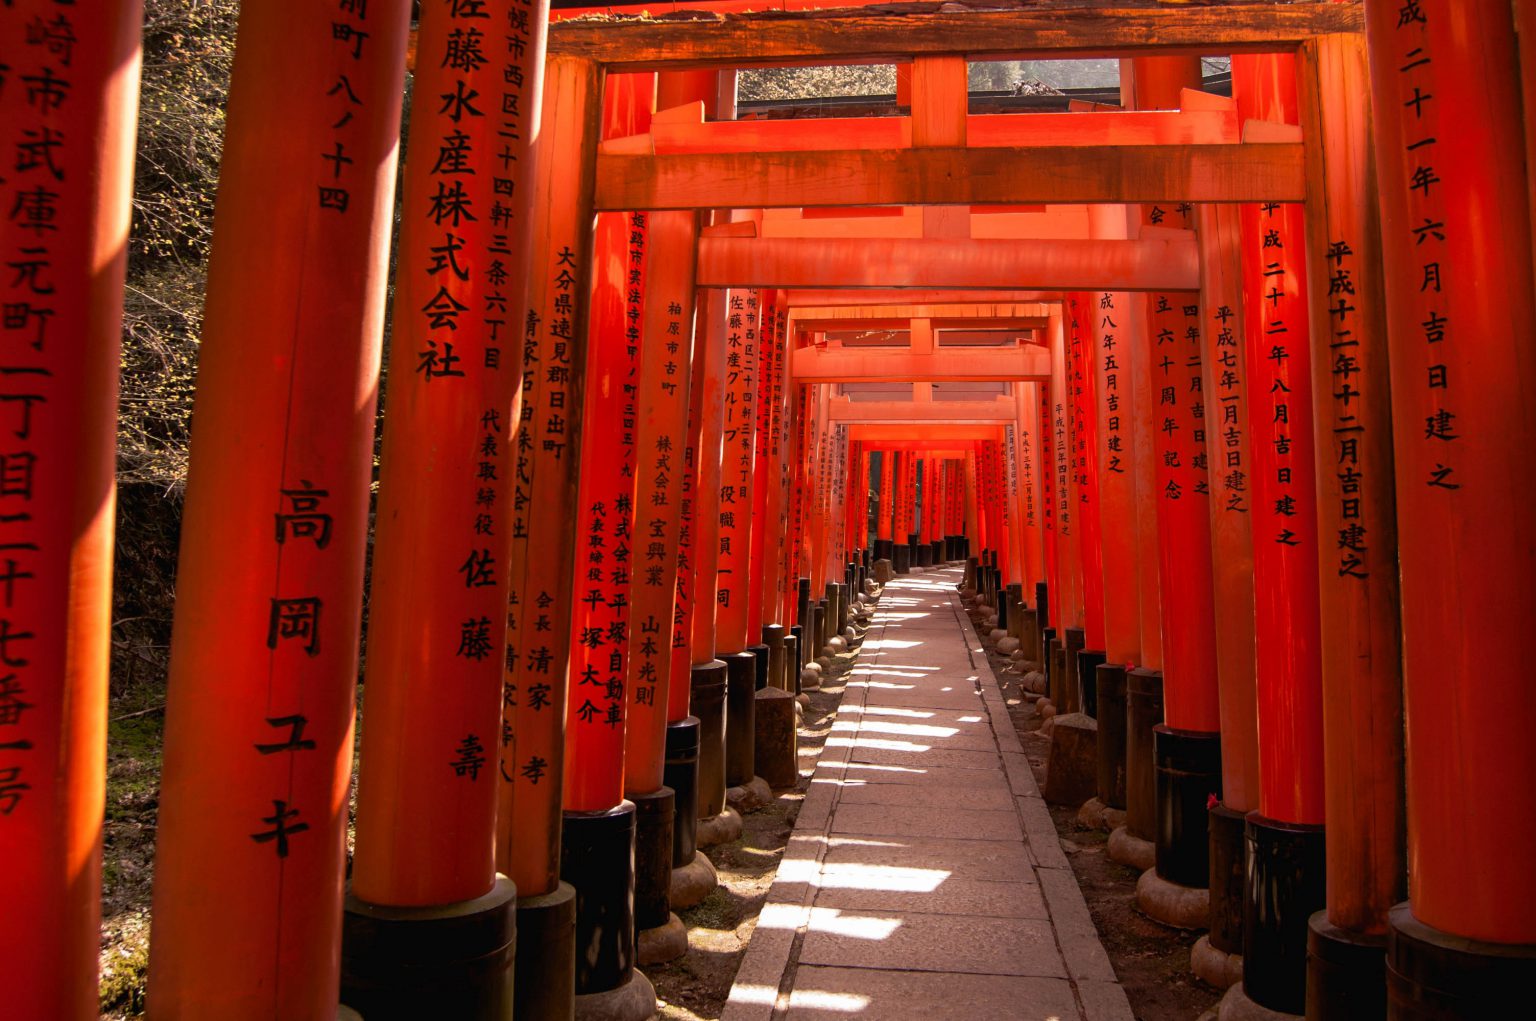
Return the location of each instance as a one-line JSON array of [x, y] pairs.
[[1047, 646], [740, 698], [1073, 640], [1109, 685], [1001, 605], [924, 554], [1438, 976], [546, 956], [778, 665], [883, 549], [760, 668], [707, 700], [1043, 601], [681, 774], [1188, 775], [1143, 711], [1228, 873], [797, 661], [901, 559], [1285, 883], [938, 553], [597, 857], [1346, 973], [444, 960], [1088, 663], [653, 857]]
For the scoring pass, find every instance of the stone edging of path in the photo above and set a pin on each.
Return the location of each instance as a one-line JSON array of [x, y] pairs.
[[766, 976]]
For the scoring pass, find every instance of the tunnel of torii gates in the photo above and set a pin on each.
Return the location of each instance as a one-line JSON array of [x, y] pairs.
[[1225, 403]]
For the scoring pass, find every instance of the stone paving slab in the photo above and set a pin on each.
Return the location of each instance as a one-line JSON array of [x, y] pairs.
[[841, 993], [948, 896], [924, 878], [948, 944], [996, 797], [925, 821]]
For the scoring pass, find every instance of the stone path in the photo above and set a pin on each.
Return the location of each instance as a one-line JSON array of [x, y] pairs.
[[924, 878]]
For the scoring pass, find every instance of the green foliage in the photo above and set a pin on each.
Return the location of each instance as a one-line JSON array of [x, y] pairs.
[[188, 52]]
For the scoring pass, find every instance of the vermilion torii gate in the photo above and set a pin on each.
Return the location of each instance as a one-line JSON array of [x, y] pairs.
[[1295, 389]]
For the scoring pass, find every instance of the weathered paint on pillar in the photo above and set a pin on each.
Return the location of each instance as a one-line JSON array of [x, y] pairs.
[[67, 109], [1224, 365], [1080, 314], [661, 440], [738, 449], [679, 687], [543, 542], [769, 359], [1285, 554], [1462, 330], [1357, 570], [711, 362], [427, 788], [1184, 520]]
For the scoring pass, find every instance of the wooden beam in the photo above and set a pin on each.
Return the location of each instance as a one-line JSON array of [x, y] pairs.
[[977, 314], [854, 365], [854, 36], [817, 298], [1161, 264], [923, 437], [997, 412], [1256, 172], [1157, 127]]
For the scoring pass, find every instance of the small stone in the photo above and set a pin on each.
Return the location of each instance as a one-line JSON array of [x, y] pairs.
[[719, 829], [662, 944], [1007, 644], [1034, 680], [1131, 850], [1179, 907], [692, 883]]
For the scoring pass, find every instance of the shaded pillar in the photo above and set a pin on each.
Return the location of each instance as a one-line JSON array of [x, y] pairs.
[[1224, 368], [1285, 876], [1456, 243], [1358, 584]]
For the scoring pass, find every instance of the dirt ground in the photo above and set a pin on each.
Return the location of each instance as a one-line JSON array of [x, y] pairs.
[[695, 988], [1151, 960]]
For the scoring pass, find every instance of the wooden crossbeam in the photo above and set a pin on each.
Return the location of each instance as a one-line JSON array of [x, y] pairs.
[[998, 411], [959, 364], [1163, 264], [1249, 172], [871, 36]]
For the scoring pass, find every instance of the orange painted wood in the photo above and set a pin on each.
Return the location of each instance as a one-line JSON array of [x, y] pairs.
[[953, 176], [833, 365], [1027, 461], [939, 98], [1285, 537], [679, 690], [1081, 345], [1190, 698], [598, 693], [1224, 369], [67, 124], [598, 697], [539, 610], [1456, 242], [981, 131], [1137, 336], [661, 439], [1358, 590], [776, 609], [1050, 489], [769, 366], [427, 789], [733, 505], [710, 354], [1163, 263], [893, 37]]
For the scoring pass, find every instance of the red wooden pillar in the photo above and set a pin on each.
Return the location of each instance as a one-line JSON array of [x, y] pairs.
[[768, 365], [1358, 585], [1080, 314], [1049, 512], [1456, 240], [67, 109], [1223, 368], [1027, 454], [427, 792], [708, 674], [1285, 835]]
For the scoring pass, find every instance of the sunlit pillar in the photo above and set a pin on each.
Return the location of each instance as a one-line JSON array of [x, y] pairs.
[[427, 790], [68, 101], [1083, 382]]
